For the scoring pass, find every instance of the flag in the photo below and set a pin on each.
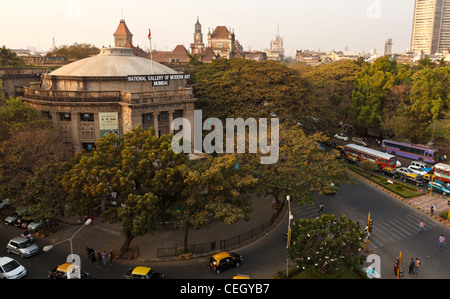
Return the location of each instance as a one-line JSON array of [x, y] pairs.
[[149, 34]]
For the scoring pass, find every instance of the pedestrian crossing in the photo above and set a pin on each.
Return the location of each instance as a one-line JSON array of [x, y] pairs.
[[384, 232], [308, 211], [397, 229]]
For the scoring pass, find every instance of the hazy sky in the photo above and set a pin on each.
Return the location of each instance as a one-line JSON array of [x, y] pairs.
[[360, 25]]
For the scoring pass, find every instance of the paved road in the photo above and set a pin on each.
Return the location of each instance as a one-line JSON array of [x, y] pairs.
[[395, 230]]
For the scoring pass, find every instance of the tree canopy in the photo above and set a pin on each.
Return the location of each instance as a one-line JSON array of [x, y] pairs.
[[74, 52], [9, 59], [324, 242]]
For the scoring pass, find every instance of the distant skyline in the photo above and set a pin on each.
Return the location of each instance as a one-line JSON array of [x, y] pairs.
[[359, 25]]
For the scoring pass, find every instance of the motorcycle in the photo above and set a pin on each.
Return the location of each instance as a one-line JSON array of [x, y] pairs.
[[28, 235]]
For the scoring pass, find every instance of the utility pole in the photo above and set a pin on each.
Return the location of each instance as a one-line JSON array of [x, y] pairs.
[[368, 232]]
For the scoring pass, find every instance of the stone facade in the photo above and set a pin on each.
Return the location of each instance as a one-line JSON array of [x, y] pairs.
[[75, 102]]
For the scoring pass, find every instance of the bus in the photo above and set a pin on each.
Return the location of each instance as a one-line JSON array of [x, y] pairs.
[[383, 160], [411, 151], [441, 171]]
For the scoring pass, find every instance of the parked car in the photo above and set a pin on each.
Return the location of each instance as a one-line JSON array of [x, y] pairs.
[[65, 271], [11, 269], [417, 170], [439, 187], [143, 273], [224, 260], [360, 141], [341, 136], [12, 219], [4, 203], [35, 225], [22, 246], [329, 143], [22, 221]]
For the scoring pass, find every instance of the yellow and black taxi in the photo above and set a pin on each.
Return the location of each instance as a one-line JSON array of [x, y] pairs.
[[143, 273], [67, 271], [224, 260]]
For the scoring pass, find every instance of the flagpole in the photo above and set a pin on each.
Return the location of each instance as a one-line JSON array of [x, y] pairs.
[[151, 51]]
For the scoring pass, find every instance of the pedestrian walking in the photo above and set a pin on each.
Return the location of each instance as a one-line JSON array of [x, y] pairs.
[[421, 226], [88, 252], [110, 258], [321, 208], [411, 266], [93, 259], [416, 266], [445, 158], [99, 260], [433, 208], [441, 241], [104, 256]]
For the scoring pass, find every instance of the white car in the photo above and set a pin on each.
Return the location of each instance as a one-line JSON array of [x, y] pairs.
[[417, 170], [341, 136], [4, 203], [11, 269]]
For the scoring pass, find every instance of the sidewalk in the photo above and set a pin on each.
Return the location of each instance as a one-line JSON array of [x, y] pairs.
[[106, 236], [424, 202]]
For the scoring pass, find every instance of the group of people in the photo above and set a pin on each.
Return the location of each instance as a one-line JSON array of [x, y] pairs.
[[102, 259], [414, 266]]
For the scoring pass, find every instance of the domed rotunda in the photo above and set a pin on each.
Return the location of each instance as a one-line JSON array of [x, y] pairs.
[[114, 91]]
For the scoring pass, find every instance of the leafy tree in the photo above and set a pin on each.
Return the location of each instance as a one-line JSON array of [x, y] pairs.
[[18, 114], [410, 108], [29, 162], [334, 83], [430, 93], [74, 52], [9, 59], [303, 171], [139, 171], [212, 186], [324, 241], [368, 166], [30, 151], [373, 83], [241, 88]]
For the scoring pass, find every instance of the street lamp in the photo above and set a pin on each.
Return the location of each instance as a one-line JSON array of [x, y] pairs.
[[288, 198], [49, 247]]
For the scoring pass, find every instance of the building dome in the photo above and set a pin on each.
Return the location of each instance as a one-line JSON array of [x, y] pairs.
[[113, 62]]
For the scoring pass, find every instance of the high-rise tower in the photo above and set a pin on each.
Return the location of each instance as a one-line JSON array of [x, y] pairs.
[[431, 26]]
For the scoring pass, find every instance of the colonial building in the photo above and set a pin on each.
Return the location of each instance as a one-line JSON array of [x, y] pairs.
[[224, 44], [124, 38], [276, 51], [114, 91], [197, 47]]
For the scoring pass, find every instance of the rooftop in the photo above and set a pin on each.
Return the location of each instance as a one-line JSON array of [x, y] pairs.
[[113, 62]]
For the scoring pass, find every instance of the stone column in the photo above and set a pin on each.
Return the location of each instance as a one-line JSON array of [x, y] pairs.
[[155, 123], [75, 118], [171, 112]]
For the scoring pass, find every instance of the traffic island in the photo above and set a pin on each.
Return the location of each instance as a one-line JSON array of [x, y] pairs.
[[416, 198], [395, 188]]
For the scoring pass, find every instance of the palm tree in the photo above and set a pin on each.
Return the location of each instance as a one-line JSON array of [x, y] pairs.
[[9, 59]]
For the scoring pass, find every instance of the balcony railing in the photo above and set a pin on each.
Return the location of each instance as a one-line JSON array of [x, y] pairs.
[[107, 96]]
